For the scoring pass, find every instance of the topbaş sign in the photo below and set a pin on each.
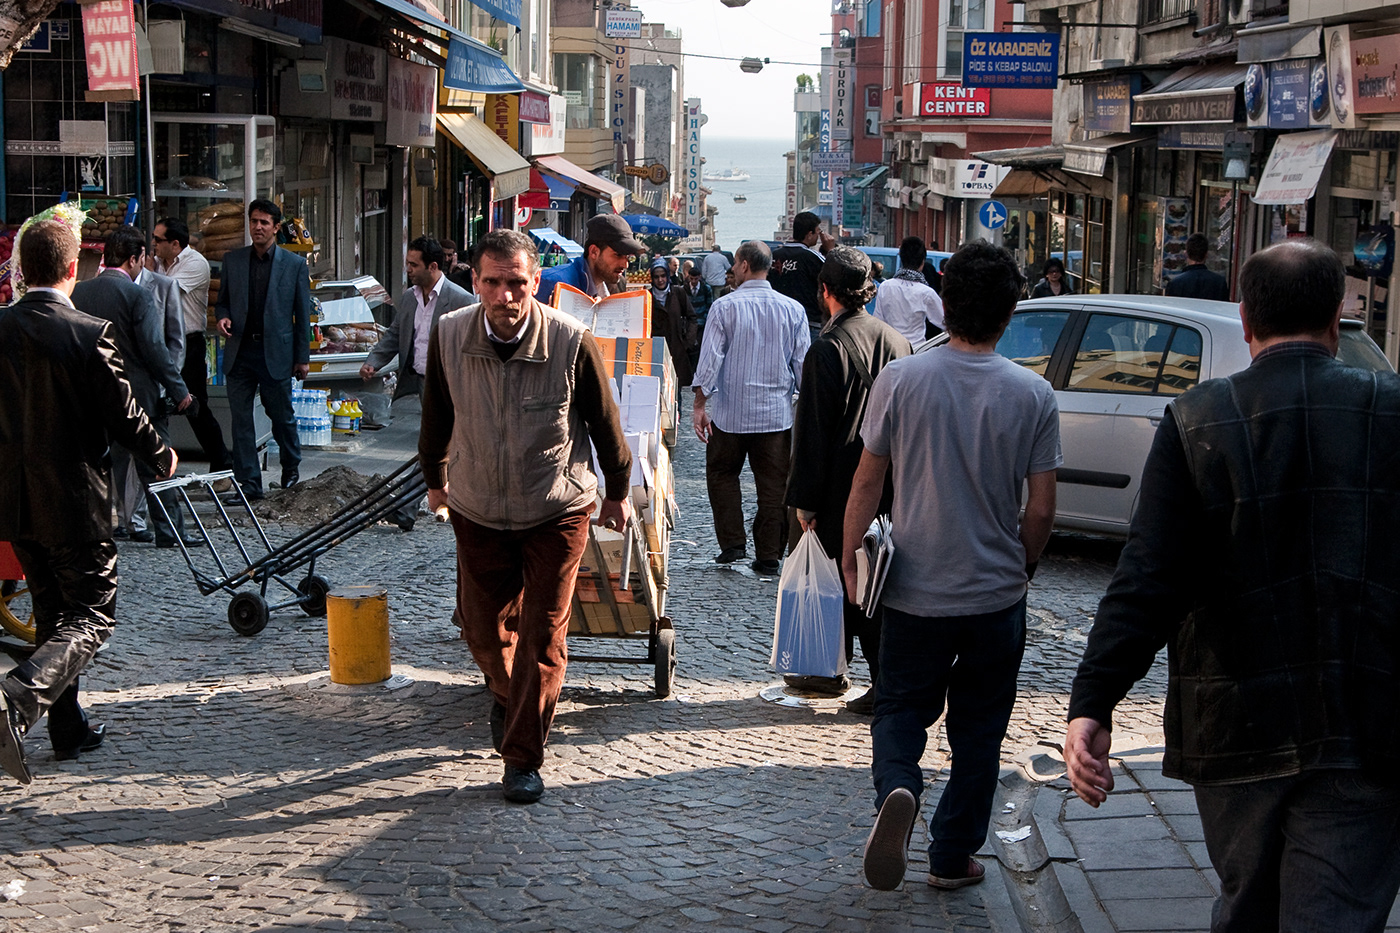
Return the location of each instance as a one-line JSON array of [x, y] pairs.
[[954, 100], [1011, 59]]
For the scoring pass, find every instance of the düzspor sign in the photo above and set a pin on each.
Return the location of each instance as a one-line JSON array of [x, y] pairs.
[[1011, 59], [472, 69]]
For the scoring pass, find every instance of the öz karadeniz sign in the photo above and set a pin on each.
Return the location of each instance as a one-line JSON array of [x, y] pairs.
[[1011, 59]]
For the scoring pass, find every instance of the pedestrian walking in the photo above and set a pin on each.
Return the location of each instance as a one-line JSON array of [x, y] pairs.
[[962, 429], [63, 400], [750, 365], [907, 302], [458, 272], [175, 257], [1196, 280], [513, 393], [1261, 556], [701, 297], [140, 333], [673, 319], [837, 375], [600, 271], [796, 265], [264, 312], [714, 267]]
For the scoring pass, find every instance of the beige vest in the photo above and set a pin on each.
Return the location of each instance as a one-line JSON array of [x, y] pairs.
[[519, 454]]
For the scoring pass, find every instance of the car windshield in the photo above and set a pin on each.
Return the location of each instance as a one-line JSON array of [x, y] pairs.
[[1356, 349]]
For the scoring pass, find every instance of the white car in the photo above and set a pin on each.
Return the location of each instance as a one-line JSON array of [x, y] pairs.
[[1115, 361]]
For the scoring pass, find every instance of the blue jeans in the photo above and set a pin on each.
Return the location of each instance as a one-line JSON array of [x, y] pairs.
[[246, 380], [971, 663], [1314, 851]]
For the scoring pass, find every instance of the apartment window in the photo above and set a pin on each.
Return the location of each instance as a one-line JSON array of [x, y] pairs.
[[578, 81], [871, 19], [963, 15], [913, 41], [889, 47], [1158, 10]]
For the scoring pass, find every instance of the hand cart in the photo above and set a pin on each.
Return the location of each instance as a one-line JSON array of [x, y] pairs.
[[629, 603], [248, 611], [16, 608]]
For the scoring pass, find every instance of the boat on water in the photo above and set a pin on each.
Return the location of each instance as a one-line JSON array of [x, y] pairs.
[[729, 174], [739, 199]]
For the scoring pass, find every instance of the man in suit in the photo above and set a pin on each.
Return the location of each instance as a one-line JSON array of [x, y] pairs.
[[140, 333], [264, 311], [1197, 281], [430, 295], [65, 400]]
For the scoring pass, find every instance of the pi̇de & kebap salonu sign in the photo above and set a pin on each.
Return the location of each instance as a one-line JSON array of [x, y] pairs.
[[1011, 59]]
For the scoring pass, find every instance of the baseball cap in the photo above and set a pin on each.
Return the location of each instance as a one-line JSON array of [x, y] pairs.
[[612, 230]]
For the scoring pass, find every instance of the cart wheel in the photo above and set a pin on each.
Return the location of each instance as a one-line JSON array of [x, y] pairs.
[[247, 613], [313, 592], [665, 661]]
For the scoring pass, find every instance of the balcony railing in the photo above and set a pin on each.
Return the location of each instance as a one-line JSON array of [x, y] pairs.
[[1155, 11]]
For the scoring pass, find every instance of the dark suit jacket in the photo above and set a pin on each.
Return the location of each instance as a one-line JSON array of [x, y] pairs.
[[831, 403], [398, 342], [63, 401], [1196, 281], [286, 316], [139, 332]]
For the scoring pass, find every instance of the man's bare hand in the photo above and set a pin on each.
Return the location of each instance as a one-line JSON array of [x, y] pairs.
[[226, 326], [701, 419], [367, 372], [1087, 744], [185, 402], [301, 370], [613, 514], [808, 524], [437, 499], [174, 462]]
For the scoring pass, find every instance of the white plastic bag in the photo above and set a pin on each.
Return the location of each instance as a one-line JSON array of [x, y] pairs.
[[808, 633]]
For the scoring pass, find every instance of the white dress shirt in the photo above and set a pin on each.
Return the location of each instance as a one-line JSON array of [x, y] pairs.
[[423, 324], [751, 360], [905, 305], [190, 270]]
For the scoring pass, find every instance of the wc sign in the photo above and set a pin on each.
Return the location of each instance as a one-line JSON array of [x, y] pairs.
[[109, 42]]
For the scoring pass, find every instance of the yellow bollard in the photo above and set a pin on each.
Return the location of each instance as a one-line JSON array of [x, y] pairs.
[[357, 625]]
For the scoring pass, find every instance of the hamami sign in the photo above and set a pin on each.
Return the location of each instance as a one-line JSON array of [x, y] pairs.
[[954, 100]]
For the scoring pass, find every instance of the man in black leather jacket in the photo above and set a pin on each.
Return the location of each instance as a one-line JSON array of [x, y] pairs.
[[1263, 555], [63, 400]]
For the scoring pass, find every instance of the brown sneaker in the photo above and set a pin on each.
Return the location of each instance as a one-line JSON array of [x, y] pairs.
[[975, 873], [887, 849]]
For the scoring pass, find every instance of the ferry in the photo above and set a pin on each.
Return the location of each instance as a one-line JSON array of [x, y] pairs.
[[739, 199], [729, 174]]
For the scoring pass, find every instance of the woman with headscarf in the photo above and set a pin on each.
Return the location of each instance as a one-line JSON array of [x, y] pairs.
[[673, 318]]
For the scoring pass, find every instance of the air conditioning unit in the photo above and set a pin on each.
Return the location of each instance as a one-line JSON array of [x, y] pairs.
[[1238, 11]]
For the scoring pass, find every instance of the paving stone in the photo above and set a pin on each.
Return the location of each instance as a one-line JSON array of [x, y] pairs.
[[1185, 913]]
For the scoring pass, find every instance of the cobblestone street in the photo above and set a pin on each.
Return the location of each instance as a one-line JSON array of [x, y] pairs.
[[234, 792]]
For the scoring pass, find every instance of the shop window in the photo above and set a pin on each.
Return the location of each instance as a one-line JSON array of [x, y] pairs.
[[1133, 355], [1079, 238], [1030, 338], [577, 75]]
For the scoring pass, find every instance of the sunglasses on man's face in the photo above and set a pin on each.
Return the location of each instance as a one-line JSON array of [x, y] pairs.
[[159, 239]]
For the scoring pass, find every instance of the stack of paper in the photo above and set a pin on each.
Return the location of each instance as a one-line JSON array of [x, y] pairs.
[[873, 563]]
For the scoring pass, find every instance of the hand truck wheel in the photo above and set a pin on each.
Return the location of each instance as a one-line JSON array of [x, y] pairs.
[[665, 661], [313, 592], [247, 613]]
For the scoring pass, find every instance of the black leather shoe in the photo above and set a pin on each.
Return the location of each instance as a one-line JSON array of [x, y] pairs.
[[405, 524], [190, 541], [498, 725], [766, 568], [144, 536], [93, 742], [730, 554], [12, 746], [120, 533], [232, 498], [522, 786]]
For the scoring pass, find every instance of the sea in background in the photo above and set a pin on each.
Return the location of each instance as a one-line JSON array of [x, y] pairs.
[[757, 218]]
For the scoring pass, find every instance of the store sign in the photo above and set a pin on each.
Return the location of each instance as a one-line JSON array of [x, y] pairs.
[[838, 201], [41, 41], [502, 114], [1294, 167], [1108, 106], [1211, 138], [472, 68], [1375, 75], [823, 145], [969, 179], [1374, 250], [623, 24], [412, 116], [842, 73], [534, 107], [508, 10], [1085, 161], [1011, 59], [1213, 106], [548, 138], [619, 102], [1341, 103], [693, 122], [954, 100], [853, 208], [831, 161], [1288, 94], [357, 78], [109, 43]]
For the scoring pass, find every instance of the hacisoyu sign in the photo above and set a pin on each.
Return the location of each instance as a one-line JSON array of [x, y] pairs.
[[1011, 59], [109, 44]]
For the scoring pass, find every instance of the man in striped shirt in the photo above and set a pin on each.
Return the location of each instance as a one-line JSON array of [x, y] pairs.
[[749, 369]]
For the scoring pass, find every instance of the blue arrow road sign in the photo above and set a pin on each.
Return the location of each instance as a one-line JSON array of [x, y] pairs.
[[992, 214]]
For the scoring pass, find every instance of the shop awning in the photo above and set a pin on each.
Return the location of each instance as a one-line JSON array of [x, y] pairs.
[[1090, 157], [583, 179], [1195, 94], [1277, 42], [871, 179], [548, 237], [1022, 183], [537, 196], [1030, 157], [1294, 167], [507, 168]]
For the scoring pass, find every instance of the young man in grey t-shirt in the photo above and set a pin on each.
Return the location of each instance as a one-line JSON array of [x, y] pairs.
[[961, 428]]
